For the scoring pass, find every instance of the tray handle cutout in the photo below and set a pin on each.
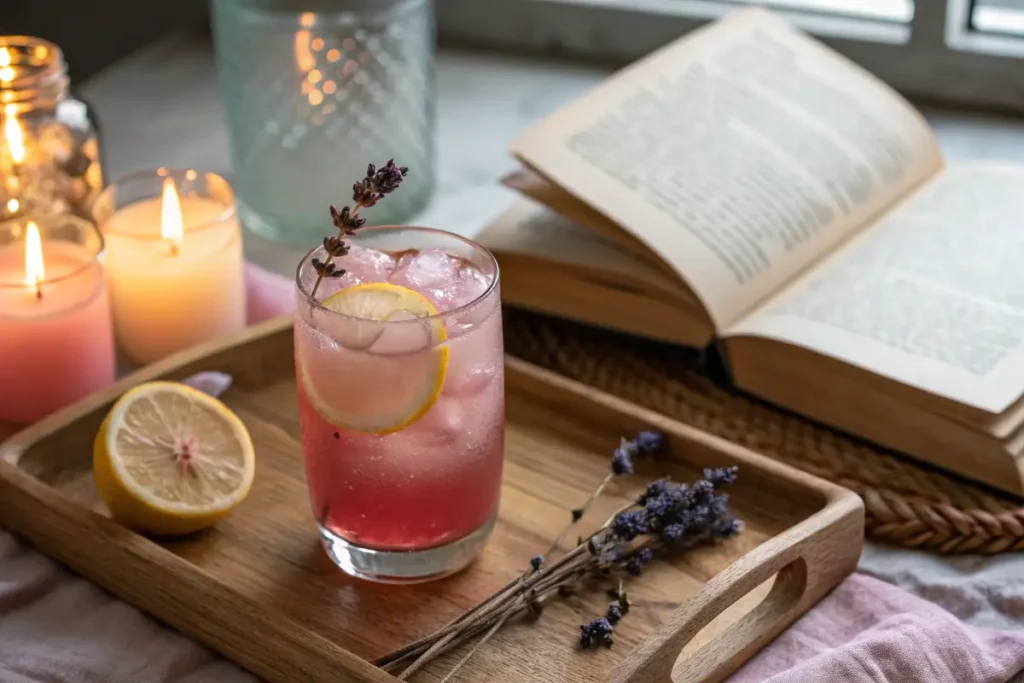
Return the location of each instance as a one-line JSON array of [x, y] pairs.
[[805, 569]]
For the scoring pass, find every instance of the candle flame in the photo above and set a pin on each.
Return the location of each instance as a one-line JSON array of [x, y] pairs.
[[14, 135], [33, 259], [171, 226]]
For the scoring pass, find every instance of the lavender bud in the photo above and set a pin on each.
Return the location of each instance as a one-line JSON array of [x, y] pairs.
[[648, 442], [614, 613], [702, 491], [597, 632], [628, 525], [535, 608], [654, 489], [721, 476], [727, 528], [577, 515], [536, 561], [638, 560], [622, 462], [673, 534], [660, 508], [371, 171]]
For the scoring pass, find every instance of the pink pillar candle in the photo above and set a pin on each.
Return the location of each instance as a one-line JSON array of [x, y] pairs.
[[56, 337]]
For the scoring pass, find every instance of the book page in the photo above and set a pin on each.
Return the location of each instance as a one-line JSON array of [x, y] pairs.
[[567, 205], [931, 296], [739, 154], [533, 230]]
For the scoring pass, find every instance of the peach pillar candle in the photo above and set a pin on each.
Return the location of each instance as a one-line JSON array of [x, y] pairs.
[[56, 340], [174, 260]]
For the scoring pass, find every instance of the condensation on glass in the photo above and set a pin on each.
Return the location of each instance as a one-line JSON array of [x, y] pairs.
[[50, 156]]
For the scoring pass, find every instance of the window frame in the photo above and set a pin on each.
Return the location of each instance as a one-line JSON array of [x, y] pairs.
[[936, 58]]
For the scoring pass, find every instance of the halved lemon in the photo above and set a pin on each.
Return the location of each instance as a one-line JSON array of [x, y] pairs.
[[388, 366], [171, 460]]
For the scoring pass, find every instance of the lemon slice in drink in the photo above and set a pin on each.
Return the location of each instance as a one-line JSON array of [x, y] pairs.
[[387, 369], [171, 460]]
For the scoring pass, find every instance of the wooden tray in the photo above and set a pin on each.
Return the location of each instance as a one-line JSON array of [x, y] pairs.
[[259, 589]]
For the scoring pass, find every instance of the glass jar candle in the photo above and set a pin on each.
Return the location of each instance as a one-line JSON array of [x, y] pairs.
[[311, 91], [49, 146], [174, 260]]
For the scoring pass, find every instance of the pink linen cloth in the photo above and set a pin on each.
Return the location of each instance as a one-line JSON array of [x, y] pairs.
[[55, 627], [868, 631]]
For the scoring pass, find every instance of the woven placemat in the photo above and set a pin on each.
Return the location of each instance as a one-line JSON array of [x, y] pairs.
[[907, 503]]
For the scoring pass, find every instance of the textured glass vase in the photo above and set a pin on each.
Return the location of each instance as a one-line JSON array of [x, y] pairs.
[[316, 89]]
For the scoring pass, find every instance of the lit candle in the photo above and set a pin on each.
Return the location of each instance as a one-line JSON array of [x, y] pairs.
[[174, 261], [56, 341]]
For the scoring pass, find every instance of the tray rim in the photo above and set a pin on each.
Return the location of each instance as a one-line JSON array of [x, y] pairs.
[[804, 575]]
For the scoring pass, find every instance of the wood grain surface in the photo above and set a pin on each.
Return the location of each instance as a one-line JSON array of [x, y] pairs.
[[259, 589]]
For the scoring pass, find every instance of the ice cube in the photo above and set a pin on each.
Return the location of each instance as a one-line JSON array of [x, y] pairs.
[[429, 269], [333, 285], [467, 382], [469, 286], [405, 259], [442, 425], [366, 265]]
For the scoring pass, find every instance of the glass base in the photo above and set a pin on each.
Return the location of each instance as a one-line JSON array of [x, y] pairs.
[[405, 566]]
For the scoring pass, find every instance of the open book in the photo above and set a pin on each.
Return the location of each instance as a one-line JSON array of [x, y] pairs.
[[749, 187]]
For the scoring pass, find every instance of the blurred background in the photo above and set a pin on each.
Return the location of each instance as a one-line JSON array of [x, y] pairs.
[[268, 91]]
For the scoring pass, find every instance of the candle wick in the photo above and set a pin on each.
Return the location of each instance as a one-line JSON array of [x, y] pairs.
[[175, 249], [39, 290]]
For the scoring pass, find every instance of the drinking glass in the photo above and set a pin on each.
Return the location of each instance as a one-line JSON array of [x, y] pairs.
[[402, 412]]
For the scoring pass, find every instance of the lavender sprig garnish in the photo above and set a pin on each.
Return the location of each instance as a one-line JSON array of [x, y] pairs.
[[666, 519], [377, 183]]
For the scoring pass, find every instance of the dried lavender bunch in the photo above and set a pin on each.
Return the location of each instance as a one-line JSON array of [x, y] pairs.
[[377, 183], [672, 517], [666, 519]]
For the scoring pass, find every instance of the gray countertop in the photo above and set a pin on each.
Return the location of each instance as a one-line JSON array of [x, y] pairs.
[[161, 107]]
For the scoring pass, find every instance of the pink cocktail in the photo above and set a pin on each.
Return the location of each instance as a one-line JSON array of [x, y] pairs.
[[401, 401]]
